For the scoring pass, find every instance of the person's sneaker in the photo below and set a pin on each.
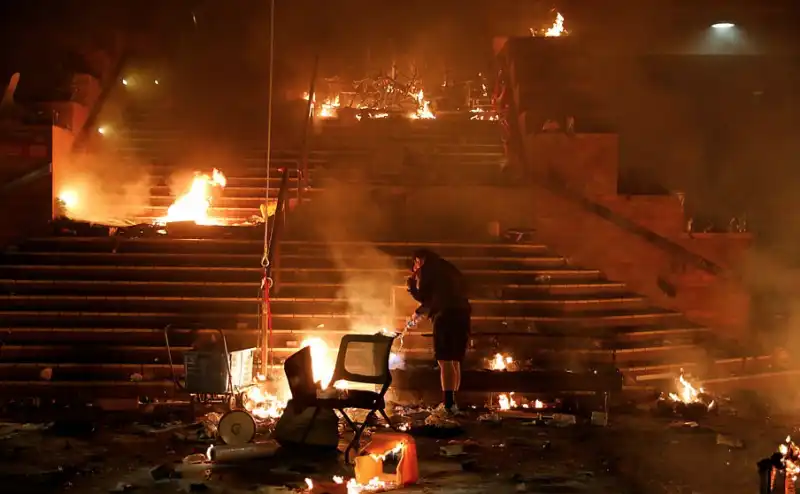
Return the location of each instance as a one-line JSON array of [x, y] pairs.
[[447, 412], [455, 411]]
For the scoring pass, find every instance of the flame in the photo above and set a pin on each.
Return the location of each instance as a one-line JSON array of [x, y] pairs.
[[70, 199], [481, 114], [309, 484], [790, 457], [506, 401], [686, 392], [195, 203], [321, 361], [329, 108], [538, 405], [375, 484], [423, 107], [501, 362], [554, 31], [381, 457], [262, 404], [557, 29]]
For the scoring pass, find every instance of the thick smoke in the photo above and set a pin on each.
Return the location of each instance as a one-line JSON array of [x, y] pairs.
[[370, 274], [103, 187]]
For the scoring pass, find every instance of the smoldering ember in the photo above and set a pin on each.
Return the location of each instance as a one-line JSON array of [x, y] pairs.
[[440, 247]]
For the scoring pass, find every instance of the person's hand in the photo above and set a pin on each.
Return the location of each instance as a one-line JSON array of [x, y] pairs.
[[413, 320]]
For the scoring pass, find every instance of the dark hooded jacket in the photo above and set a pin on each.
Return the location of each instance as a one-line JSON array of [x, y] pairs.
[[440, 287]]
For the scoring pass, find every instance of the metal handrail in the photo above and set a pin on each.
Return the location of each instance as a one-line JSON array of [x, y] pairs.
[[308, 121]]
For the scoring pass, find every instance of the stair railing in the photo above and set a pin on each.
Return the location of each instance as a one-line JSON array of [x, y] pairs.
[[270, 280], [308, 122]]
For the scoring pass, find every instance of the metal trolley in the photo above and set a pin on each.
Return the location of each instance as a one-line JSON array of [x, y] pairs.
[[209, 378]]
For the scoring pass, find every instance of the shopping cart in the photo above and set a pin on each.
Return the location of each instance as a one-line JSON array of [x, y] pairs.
[[207, 372]]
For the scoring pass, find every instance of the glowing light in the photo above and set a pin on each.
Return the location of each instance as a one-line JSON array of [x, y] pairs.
[[102, 130], [156, 82], [124, 82], [723, 25], [69, 198]]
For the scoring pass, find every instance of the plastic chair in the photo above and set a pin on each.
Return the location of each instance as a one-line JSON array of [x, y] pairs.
[[361, 359]]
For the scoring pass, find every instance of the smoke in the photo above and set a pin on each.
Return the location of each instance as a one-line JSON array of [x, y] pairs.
[[369, 274], [102, 187]]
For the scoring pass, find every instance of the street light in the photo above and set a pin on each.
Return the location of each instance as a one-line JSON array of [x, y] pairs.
[[723, 25]]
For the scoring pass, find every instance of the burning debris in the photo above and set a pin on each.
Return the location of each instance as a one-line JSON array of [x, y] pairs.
[[481, 114], [779, 472], [194, 205], [375, 98], [554, 31], [261, 404], [689, 401], [423, 108], [502, 362]]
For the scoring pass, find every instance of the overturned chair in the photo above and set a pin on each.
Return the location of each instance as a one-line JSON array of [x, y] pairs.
[[362, 359]]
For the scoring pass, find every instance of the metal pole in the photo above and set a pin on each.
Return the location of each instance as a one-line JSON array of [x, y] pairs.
[[269, 120], [265, 258]]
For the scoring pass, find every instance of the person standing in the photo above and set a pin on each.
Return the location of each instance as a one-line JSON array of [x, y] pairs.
[[440, 289]]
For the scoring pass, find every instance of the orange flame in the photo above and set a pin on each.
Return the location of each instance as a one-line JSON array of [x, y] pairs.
[[423, 108], [195, 203], [506, 401], [501, 362], [554, 31]]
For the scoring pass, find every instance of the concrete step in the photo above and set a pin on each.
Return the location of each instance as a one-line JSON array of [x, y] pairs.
[[535, 357], [399, 250], [564, 292], [380, 265], [484, 339], [102, 315], [300, 306], [49, 269]]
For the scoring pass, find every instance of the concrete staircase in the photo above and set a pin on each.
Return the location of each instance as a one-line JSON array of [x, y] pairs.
[[93, 308]]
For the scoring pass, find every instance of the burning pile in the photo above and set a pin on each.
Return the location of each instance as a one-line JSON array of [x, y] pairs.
[[790, 458], [509, 401], [267, 400], [423, 108], [376, 98], [501, 362], [554, 31], [689, 401], [263, 405], [194, 205]]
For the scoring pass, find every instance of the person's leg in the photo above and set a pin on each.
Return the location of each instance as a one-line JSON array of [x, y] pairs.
[[457, 375], [448, 380]]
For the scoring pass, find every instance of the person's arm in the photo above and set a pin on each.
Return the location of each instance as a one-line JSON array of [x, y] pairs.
[[425, 292], [413, 289]]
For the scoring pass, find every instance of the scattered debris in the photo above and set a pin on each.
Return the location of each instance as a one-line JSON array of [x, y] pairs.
[[452, 450], [729, 441]]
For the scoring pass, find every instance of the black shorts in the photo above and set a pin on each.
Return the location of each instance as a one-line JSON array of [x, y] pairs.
[[451, 330]]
